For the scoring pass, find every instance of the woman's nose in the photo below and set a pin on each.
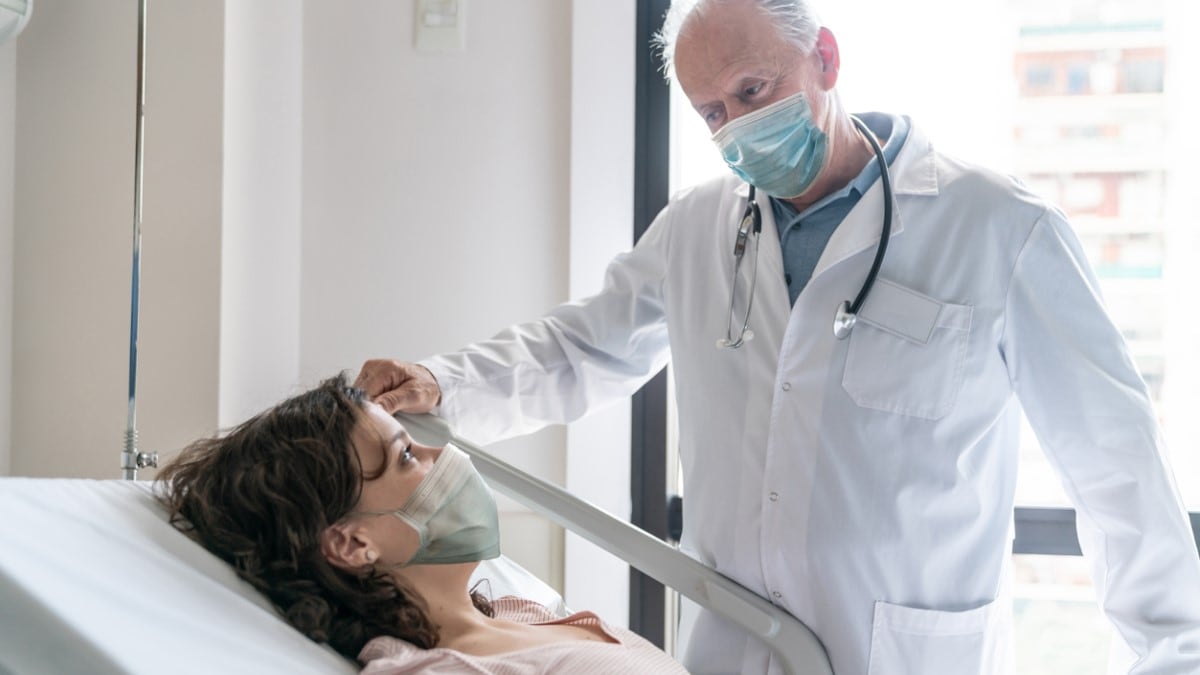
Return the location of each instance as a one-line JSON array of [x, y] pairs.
[[427, 451]]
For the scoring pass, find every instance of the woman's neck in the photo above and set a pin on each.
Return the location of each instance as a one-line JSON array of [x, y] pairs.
[[447, 597], [464, 628]]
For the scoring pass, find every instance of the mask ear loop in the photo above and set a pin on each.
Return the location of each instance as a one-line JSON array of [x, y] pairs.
[[482, 582]]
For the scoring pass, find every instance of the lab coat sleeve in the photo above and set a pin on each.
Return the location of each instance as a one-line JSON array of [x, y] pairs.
[[1091, 412], [582, 355]]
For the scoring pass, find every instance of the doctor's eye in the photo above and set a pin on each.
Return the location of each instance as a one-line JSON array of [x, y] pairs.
[[753, 90]]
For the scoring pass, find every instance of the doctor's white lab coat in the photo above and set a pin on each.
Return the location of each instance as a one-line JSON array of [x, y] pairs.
[[866, 485]]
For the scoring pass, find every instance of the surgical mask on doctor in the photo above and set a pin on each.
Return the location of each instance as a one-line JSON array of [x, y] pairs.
[[453, 511], [778, 149]]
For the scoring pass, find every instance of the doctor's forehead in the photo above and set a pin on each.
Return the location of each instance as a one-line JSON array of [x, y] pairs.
[[720, 39]]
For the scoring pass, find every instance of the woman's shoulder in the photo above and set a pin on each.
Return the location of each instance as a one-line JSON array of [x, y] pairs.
[[522, 610], [386, 655], [630, 653]]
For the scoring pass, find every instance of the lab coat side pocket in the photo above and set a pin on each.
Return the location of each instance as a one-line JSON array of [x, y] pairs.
[[911, 641], [906, 353]]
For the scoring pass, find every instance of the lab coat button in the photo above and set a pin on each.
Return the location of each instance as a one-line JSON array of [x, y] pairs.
[[776, 594], [774, 496], [787, 386]]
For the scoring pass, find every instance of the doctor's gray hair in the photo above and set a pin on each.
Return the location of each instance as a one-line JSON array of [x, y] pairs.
[[795, 20]]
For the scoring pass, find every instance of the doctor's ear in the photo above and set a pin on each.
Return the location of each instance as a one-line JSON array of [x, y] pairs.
[[347, 546], [831, 61]]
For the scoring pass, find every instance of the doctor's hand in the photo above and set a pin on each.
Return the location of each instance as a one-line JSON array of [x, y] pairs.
[[398, 386]]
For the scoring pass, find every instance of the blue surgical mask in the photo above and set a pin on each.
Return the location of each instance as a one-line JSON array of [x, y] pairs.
[[453, 511], [778, 149]]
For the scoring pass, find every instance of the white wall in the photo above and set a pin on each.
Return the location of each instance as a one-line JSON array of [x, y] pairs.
[[317, 193], [260, 245], [436, 198], [603, 82], [73, 232], [8, 94]]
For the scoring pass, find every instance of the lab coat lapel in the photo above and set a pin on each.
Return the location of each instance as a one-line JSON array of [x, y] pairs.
[[859, 231], [913, 173]]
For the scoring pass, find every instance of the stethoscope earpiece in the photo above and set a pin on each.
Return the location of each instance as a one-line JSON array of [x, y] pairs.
[[750, 224]]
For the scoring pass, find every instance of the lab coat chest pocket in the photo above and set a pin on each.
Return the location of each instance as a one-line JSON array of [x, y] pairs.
[[906, 353], [907, 641]]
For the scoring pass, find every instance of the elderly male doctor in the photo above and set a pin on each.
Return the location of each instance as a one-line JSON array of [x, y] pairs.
[[863, 483]]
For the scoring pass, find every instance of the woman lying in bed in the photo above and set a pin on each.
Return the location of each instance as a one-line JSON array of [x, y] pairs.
[[366, 541]]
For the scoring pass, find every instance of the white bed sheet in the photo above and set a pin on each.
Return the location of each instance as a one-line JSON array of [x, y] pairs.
[[94, 580]]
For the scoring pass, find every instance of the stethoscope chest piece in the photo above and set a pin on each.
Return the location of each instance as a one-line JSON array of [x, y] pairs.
[[843, 321]]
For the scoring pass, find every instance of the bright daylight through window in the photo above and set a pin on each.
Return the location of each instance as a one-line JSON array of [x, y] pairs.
[[1091, 103]]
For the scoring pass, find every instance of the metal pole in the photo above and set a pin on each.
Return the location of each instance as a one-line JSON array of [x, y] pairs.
[[131, 458]]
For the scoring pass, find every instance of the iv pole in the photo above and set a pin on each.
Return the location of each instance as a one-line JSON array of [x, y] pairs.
[[131, 458]]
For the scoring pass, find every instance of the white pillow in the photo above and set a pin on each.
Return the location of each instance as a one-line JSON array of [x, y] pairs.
[[93, 579]]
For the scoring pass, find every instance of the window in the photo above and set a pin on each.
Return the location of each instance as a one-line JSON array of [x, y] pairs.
[[1144, 75]]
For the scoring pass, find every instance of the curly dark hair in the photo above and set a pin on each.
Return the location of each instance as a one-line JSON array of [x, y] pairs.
[[260, 497]]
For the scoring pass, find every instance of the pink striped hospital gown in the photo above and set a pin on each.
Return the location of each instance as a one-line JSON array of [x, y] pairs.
[[629, 654]]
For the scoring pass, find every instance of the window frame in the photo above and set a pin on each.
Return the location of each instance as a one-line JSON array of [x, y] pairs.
[[648, 441], [1051, 531]]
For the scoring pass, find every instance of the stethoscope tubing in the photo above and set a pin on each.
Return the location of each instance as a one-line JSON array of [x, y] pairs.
[[751, 224], [886, 232]]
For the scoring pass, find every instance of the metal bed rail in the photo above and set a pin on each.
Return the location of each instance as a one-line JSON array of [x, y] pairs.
[[793, 643]]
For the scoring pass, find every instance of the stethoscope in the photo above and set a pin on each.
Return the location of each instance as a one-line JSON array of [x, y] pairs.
[[751, 224]]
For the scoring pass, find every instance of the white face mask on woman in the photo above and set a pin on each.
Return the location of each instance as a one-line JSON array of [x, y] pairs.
[[453, 511]]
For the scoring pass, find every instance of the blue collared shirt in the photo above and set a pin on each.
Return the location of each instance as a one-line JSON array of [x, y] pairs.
[[803, 236]]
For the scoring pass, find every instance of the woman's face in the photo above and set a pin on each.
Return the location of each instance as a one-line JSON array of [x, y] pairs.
[[385, 450]]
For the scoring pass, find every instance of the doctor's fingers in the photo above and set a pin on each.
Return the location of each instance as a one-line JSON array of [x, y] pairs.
[[397, 385], [412, 398], [379, 375]]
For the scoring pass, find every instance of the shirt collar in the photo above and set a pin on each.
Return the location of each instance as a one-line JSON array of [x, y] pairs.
[[892, 130]]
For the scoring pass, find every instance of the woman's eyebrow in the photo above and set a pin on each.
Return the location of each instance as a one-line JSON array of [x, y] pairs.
[[386, 447]]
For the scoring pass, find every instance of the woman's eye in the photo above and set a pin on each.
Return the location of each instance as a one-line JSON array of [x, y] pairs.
[[407, 456]]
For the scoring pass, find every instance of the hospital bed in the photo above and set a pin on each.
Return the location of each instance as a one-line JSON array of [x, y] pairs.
[[94, 580]]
